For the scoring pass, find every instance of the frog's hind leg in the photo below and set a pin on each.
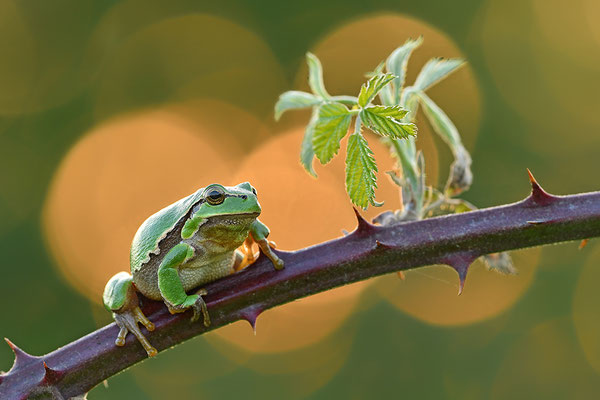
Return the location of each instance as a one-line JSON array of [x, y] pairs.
[[120, 297]]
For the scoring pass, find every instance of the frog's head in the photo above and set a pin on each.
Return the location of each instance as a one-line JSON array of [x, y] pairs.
[[218, 200]]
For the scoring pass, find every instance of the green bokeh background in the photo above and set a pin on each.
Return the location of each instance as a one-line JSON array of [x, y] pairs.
[[536, 65]]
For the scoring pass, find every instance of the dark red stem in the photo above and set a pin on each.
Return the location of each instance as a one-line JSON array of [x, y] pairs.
[[369, 251]]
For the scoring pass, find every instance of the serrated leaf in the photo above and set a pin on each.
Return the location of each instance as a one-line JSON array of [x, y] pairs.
[[369, 90], [395, 112], [307, 153], [440, 122], [361, 170], [315, 76], [397, 61], [331, 126], [381, 120], [435, 70], [295, 99]]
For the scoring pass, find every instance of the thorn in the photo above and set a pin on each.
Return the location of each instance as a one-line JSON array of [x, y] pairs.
[[21, 357], [51, 376], [401, 275], [363, 225], [583, 243], [382, 246], [251, 315], [460, 262], [539, 195]]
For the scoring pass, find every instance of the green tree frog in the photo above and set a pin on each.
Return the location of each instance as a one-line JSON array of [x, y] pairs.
[[196, 240]]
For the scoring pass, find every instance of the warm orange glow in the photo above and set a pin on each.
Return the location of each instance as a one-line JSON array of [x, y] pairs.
[[300, 211], [298, 324], [124, 171], [301, 371], [377, 37], [430, 294]]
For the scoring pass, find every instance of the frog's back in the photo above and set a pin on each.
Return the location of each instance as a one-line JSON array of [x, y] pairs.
[[147, 238]]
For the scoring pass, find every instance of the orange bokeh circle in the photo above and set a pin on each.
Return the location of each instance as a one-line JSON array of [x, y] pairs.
[[430, 294], [125, 170], [300, 211], [377, 36]]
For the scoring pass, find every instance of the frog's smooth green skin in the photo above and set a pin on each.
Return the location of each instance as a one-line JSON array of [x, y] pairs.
[[187, 244]]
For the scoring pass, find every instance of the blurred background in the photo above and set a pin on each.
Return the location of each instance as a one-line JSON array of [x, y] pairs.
[[111, 110]]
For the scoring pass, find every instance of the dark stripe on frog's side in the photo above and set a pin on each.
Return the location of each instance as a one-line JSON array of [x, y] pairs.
[[173, 237]]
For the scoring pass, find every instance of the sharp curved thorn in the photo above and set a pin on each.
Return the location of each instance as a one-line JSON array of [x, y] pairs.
[[21, 357], [382, 246], [539, 195], [461, 264], [52, 376], [535, 222], [251, 315], [363, 225], [583, 243]]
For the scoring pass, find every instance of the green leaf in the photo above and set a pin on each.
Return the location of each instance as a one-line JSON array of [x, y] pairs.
[[385, 120], [440, 122], [369, 90], [307, 153], [361, 178], [435, 70], [397, 61], [315, 76], [331, 126], [396, 112], [295, 99], [347, 100]]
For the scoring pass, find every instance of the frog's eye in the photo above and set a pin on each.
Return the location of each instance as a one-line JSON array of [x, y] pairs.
[[215, 196]]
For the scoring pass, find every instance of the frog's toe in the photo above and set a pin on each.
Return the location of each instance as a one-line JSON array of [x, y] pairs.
[[141, 318], [120, 341], [265, 247], [199, 307], [128, 322]]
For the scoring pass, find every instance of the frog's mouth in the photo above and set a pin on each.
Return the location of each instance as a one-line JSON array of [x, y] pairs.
[[232, 219]]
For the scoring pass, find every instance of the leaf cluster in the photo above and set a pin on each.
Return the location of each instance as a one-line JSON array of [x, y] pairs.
[[387, 107], [331, 120]]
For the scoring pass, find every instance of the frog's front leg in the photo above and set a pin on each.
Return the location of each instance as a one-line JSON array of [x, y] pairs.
[[259, 233], [171, 288], [120, 297]]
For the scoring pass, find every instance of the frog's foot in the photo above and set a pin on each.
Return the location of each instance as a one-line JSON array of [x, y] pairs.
[[265, 247], [128, 322], [248, 250], [196, 303], [245, 254]]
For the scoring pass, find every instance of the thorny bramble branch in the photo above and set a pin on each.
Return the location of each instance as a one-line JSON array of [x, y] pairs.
[[371, 250]]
